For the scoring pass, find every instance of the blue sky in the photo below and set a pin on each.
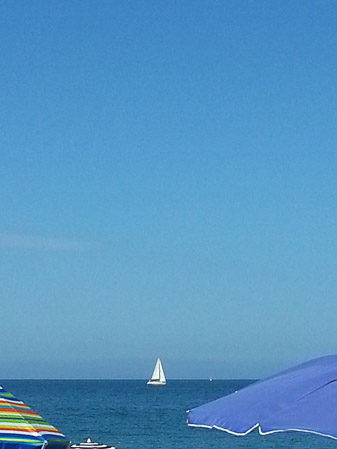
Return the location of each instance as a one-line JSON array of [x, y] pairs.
[[168, 186]]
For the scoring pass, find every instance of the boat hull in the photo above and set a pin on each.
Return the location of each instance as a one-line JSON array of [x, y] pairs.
[[155, 382], [91, 445]]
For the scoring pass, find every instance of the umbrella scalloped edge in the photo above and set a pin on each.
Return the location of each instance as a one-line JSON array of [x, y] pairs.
[[257, 426]]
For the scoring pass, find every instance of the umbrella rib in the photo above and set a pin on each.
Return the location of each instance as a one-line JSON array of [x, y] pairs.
[[317, 389]]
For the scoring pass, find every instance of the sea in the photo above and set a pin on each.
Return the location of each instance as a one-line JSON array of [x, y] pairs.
[[129, 414]]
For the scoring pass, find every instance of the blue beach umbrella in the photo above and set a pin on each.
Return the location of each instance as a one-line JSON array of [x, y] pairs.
[[303, 398]]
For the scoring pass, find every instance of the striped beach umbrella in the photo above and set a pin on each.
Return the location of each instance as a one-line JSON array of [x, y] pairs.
[[22, 428]]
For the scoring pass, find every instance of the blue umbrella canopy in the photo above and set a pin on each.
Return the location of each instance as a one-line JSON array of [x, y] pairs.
[[302, 398]]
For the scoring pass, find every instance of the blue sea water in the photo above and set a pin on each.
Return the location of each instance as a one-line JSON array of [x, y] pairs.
[[130, 415]]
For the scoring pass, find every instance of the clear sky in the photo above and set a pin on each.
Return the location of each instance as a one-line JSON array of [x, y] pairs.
[[168, 181]]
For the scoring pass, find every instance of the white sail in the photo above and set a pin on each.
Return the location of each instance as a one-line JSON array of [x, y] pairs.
[[158, 375]]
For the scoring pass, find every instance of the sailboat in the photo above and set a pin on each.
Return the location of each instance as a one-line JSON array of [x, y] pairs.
[[158, 375]]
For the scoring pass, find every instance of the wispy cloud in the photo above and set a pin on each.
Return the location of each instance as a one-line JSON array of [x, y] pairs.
[[42, 243]]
